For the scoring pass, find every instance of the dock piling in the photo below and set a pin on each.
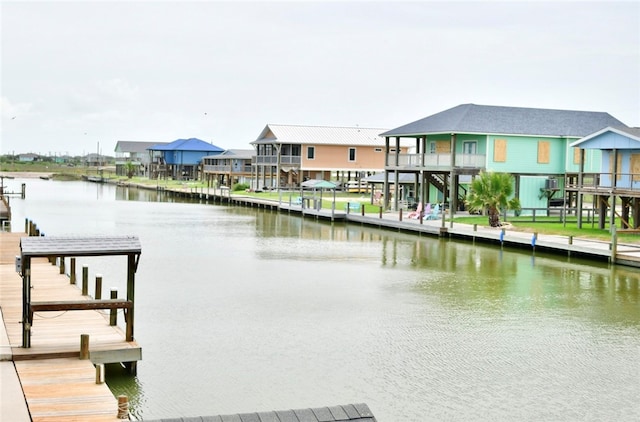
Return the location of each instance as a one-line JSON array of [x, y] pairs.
[[85, 280], [98, 289], [84, 346], [113, 315], [72, 275], [123, 407], [100, 373]]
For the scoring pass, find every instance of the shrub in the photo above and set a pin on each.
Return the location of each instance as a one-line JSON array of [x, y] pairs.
[[240, 187]]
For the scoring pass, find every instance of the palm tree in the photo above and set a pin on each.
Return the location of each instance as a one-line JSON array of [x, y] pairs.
[[490, 191], [130, 169]]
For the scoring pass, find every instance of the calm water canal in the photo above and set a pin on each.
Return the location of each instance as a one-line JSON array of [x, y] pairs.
[[241, 310]]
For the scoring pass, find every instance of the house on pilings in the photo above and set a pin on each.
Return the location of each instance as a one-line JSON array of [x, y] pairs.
[[615, 186], [453, 146]]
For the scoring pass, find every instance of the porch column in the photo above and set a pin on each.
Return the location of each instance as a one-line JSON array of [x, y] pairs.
[[614, 180], [278, 163], [453, 190], [396, 190], [423, 151], [385, 195], [580, 181], [602, 211], [625, 201]]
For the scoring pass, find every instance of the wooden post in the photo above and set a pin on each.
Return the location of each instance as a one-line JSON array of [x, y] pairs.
[[123, 407], [84, 346], [72, 276], [131, 280], [98, 291], [85, 280], [571, 240], [113, 313], [614, 243], [100, 373], [380, 213], [62, 265], [26, 226], [400, 215]]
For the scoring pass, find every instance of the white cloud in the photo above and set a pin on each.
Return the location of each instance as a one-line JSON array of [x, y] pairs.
[[150, 70]]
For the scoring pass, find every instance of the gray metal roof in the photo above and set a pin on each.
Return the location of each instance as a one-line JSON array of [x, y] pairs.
[[481, 119], [320, 135], [35, 246], [135, 146], [350, 413], [235, 153]]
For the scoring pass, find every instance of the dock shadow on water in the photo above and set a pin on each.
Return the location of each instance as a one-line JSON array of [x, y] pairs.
[[244, 310]]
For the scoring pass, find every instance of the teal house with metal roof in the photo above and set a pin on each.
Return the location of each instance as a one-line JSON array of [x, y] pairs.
[[534, 145]]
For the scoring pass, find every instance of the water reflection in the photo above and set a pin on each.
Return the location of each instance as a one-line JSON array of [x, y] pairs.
[[244, 309]]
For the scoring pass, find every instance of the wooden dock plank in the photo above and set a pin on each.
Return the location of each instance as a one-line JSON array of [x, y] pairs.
[[62, 388]]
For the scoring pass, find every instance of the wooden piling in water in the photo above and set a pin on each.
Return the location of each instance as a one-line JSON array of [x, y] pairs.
[[100, 373], [113, 315], [123, 407], [84, 346], [85, 280], [72, 275], [98, 287]]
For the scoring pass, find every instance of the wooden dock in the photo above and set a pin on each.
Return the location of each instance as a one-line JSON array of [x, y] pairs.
[[57, 384]]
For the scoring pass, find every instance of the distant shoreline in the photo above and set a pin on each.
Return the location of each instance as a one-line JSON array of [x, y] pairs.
[[26, 174]]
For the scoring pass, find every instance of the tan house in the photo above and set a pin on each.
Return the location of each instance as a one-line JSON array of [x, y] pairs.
[[287, 155]]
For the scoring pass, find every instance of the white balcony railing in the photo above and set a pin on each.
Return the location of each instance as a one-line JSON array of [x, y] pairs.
[[438, 161], [603, 181], [273, 159]]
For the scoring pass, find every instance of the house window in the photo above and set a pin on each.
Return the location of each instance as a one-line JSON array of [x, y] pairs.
[[500, 150], [295, 150], [432, 147], [543, 152], [443, 147], [311, 153], [618, 168], [352, 154], [469, 147], [576, 156], [635, 167]]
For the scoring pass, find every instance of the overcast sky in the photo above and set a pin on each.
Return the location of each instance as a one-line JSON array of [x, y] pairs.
[[75, 75]]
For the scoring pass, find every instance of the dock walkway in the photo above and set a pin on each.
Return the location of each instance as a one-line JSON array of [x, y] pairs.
[[623, 254], [56, 385]]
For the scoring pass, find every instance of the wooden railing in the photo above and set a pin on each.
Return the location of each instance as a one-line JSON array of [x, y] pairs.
[[626, 182], [226, 169], [438, 161]]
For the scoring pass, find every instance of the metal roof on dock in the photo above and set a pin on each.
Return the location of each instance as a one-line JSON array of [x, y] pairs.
[[359, 412], [79, 245]]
